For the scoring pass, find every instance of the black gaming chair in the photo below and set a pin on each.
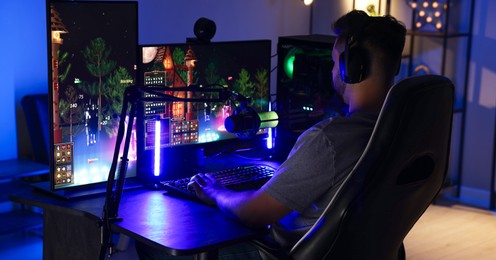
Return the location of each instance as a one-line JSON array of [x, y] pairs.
[[399, 174]]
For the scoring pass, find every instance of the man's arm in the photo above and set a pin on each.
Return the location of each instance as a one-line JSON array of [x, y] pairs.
[[254, 208]]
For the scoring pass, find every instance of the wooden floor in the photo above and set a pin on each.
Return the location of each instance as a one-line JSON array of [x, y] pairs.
[[453, 232]]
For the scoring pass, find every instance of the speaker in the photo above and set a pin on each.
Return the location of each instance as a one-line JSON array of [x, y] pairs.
[[305, 93]]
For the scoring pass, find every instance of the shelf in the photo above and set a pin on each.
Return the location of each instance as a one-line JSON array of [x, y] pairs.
[[438, 34]]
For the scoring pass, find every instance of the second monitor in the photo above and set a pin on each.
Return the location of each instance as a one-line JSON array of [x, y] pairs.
[[172, 135]]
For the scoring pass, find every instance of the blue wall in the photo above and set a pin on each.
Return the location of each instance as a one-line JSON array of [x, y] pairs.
[[23, 63], [7, 80]]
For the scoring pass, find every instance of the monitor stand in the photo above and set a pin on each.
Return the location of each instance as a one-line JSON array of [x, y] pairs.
[[86, 191]]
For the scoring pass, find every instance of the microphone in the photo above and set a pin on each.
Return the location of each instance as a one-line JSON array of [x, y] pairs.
[[246, 123]]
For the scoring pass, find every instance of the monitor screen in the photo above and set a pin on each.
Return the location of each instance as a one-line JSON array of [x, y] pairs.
[[172, 131], [92, 54]]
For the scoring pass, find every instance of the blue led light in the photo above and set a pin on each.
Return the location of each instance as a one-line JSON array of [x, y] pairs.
[[156, 164], [270, 141]]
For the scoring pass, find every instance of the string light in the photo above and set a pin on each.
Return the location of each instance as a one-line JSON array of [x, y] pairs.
[[428, 13]]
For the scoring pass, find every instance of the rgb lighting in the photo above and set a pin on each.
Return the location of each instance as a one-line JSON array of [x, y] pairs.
[[156, 163], [289, 61], [270, 140]]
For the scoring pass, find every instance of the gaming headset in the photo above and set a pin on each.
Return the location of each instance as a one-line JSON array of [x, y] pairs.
[[354, 61]]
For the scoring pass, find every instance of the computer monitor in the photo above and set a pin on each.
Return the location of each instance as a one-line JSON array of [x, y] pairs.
[[92, 56], [173, 137]]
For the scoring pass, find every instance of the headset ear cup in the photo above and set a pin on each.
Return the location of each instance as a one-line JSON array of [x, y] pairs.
[[357, 65], [353, 65]]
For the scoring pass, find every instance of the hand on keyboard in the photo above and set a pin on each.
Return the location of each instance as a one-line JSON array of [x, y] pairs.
[[248, 177], [205, 186]]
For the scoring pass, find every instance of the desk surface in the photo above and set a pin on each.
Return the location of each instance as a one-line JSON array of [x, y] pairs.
[[177, 226], [17, 168]]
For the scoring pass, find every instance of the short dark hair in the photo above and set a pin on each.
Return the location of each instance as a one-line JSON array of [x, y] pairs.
[[382, 36]]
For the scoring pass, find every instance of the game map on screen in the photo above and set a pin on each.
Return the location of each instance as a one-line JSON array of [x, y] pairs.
[[93, 49]]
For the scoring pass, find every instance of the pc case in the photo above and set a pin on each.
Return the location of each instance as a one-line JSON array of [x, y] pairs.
[[305, 92]]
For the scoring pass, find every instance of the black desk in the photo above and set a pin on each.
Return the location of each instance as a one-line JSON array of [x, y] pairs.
[[18, 168], [12, 173], [15, 175], [177, 226]]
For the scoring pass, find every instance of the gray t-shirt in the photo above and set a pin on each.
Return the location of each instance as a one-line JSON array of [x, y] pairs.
[[319, 161]]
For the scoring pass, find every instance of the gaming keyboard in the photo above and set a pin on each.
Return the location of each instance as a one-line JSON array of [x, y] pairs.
[[247, 177]]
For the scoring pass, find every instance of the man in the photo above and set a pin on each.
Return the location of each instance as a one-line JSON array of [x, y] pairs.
[[301, 188], [366, 55]]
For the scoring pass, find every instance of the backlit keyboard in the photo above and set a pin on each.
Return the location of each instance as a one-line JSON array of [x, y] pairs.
[[248, 177]]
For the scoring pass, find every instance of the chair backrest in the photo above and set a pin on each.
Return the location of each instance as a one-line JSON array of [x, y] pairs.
[[399, 174], [35, 109]]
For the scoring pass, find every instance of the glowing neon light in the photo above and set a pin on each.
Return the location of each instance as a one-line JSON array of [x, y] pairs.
[[156, 165], [270, 141]]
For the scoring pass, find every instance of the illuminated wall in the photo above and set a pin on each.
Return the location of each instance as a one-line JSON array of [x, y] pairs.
[[7, 97], [23, 66], [481, 103]]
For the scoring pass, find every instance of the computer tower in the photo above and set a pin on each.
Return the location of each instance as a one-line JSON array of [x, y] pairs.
[[305, 93]]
